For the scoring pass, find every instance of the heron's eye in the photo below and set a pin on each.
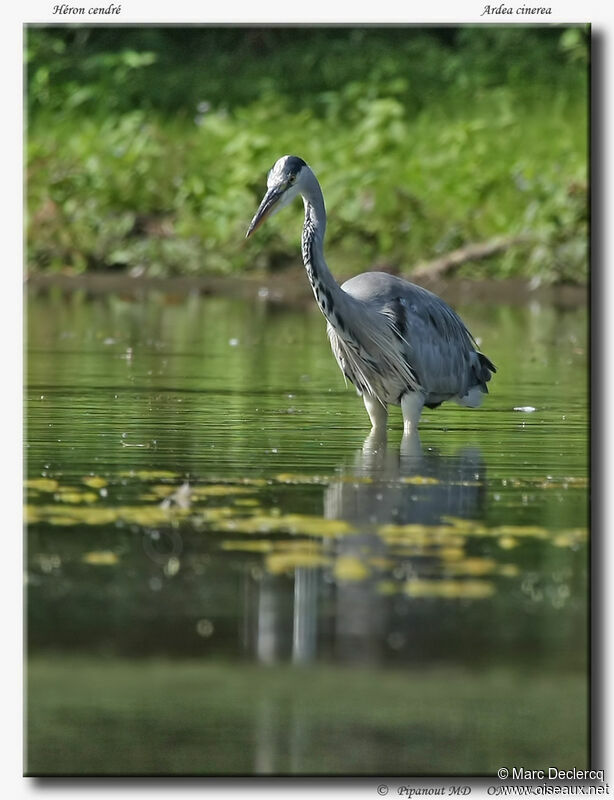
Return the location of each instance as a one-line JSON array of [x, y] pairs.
[[291, 178]]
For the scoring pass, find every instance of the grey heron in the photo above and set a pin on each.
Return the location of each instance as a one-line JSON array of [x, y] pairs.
[[398, 343]]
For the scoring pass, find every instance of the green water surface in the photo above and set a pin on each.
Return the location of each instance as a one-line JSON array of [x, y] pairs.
[[225, 575]]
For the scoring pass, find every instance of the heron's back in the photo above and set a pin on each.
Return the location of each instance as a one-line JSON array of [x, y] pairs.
[[428, 334]]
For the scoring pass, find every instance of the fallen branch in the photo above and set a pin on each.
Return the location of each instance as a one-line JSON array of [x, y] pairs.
[[471, 252]]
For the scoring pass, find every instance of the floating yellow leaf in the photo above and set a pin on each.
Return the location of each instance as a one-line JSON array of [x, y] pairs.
[[162, 490], [570, 537], [215, 513], [60, 520], [288, 523], [420, 480], [289, 477], [278, 563], [104, 558], [317, 526], [413, 531], [30, 514], [562, 483], [451, 553], [148, 474], [507, 542], [259, 546], [151, 515], [470, 526], [325, 480], [534, 531], [472, 566], [453, 589], [238, 482], [92, 515], [94, 482], [509, 570], [421, 535], [350, 568], [297, 546], [219, 490], [73, 497], [42, 484]]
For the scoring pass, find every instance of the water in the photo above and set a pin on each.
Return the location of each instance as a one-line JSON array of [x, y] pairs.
[[226, 575]]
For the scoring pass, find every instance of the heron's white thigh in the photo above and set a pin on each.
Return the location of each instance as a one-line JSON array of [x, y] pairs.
[[411, 406], [378, 414]]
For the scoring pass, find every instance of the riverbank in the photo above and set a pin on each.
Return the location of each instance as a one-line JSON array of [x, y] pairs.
[[290, 288], [149, 154]]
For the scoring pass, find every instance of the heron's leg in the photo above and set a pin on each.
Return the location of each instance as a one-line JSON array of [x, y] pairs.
[[411, 406], [410, 444], [378, 414], [376, 442]]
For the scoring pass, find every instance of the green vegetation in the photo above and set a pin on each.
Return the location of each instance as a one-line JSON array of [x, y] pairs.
[[148, 148], [119, 716]]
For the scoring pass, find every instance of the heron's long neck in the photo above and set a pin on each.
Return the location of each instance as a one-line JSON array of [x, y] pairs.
[[327, 291]]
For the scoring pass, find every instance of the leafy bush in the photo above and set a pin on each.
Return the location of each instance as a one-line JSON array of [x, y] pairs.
[[420, 147]]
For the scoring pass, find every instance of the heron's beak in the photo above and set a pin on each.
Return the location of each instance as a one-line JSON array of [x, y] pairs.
[[265, 209]]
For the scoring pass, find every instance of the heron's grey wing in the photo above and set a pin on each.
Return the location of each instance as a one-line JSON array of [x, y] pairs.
[[438, 347]]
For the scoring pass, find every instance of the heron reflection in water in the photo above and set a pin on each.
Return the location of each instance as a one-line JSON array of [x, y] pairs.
[[398, 343], [382, 485], [313, 616]]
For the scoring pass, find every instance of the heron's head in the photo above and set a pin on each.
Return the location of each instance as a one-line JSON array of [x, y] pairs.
[[283, 185]]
